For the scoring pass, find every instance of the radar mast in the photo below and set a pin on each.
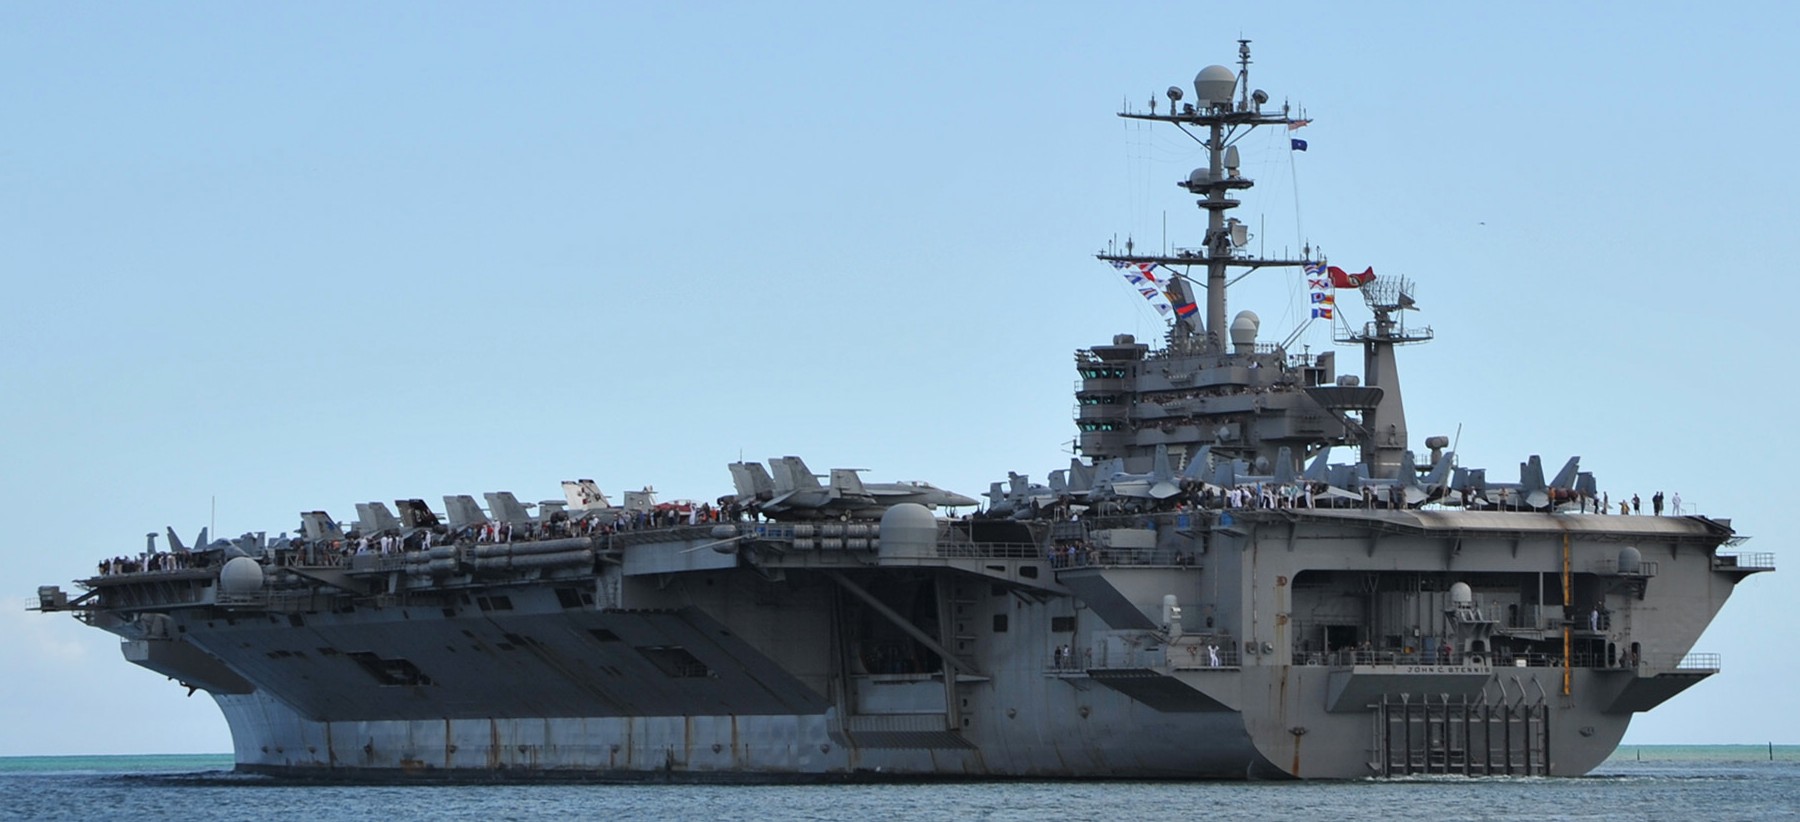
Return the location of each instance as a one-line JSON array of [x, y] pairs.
[[1225, 120]]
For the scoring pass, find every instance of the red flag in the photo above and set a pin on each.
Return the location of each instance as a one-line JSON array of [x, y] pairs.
[[1343, 279]]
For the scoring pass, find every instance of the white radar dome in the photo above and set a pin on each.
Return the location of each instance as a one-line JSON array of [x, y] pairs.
[[908, 530], [1214, 84], [241, 576], [1244, 327], [1460, 594]]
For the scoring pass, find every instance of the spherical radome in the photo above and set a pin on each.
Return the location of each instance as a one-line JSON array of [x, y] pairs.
[[1214, 84], [908, 530], [241, 576], [1244, 327]]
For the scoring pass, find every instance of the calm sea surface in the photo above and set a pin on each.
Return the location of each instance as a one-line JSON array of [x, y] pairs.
[[1650, 782]]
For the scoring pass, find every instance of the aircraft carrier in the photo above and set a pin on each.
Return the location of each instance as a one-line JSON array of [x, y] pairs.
[[1201, 594]]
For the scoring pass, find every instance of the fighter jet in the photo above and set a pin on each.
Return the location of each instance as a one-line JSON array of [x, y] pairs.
[[1014, 498], [1237, 472], [793, 491], [644, 500], [1413, 490], [1076, 482], [374, 518], [200, 543], [463, 513], [753, 483], [1530, 491], [915, 491], [585, 496], [1112, 481]]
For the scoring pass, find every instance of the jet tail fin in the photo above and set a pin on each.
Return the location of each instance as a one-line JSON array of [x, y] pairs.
[[1565, 479], [1531, 474], [1284, 466], [463, 511], [761, 484], [365, 518], [644, 500], [782, 474], [318, 525], [416, 514], [584, 495], [1081, 476], [845, 484], [1316, 472], [1440, 473], [507, 508], [175, 543], [801, 476], [1224, 475], [375, 518], [741, 482], [1411, 489], [1531, 483], [1409, 470], [1162, 475], [1199, 464]]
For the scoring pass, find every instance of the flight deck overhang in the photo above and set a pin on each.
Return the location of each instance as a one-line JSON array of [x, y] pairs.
[[1589, 527], [1642, 693]]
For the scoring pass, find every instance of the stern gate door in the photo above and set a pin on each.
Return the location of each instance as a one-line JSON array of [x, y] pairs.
[[1461, 737]]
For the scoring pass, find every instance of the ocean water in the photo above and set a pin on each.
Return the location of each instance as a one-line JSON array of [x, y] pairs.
[[1648, 782]]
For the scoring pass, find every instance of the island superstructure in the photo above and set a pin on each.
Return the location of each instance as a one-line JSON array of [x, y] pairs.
[[1201, 594]]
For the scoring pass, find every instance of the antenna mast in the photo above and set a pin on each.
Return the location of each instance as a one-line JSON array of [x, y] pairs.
[[1224, 120]]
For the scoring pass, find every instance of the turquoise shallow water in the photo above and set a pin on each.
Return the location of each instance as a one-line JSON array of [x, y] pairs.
[[1704, 753], [1638, 782]]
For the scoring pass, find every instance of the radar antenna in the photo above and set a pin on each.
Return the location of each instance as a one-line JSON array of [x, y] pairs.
[[1224, 106]]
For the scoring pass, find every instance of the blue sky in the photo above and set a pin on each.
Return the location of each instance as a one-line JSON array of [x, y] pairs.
[[287, 257]]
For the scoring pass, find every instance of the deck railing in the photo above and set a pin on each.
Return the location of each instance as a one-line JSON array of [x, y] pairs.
[[1745, 562]]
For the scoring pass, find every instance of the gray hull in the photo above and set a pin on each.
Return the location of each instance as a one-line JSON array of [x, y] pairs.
[[779, 663], [1183, 601]]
